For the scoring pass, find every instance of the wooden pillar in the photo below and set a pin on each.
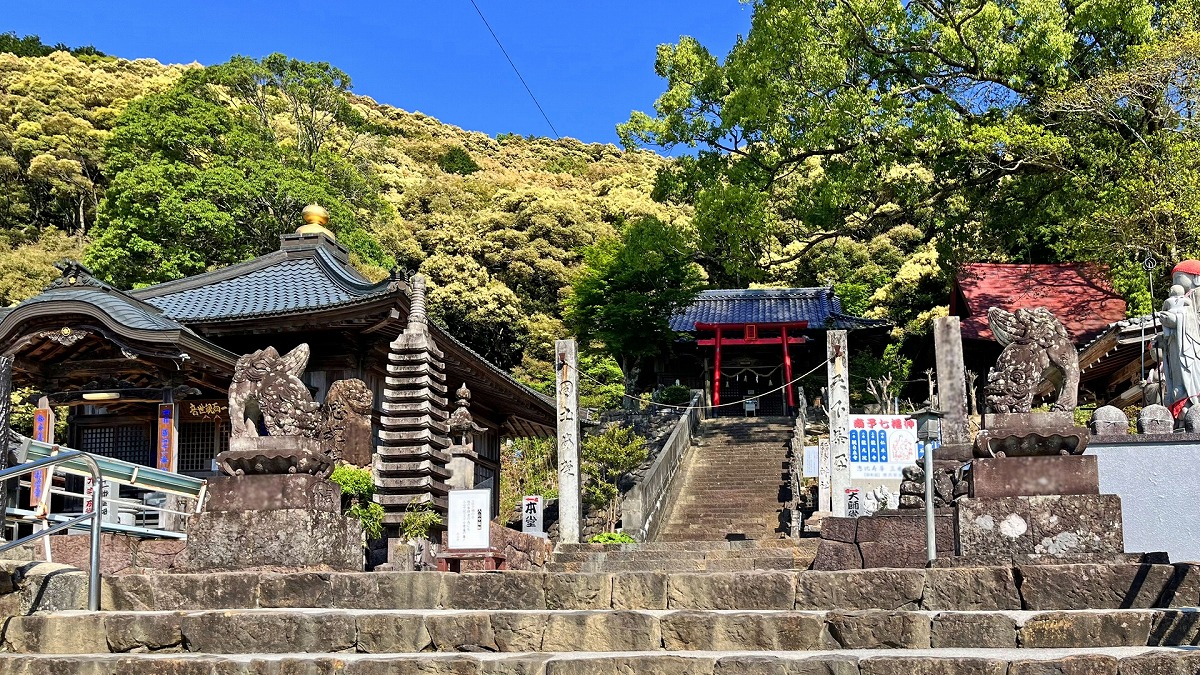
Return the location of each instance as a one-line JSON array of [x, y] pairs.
[[787, 371], [569, 509], [951, 380], [717, 373], [839, 419]]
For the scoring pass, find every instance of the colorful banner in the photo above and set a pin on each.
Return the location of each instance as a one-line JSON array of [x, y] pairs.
[[43, 430], [166, 437]]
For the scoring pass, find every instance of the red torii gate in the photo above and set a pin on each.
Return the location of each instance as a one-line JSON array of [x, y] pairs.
[[749, 336]]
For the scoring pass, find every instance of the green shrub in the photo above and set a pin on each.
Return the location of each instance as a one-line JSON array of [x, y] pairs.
[[456, 160], [604, 458], [370, 515], [357, 487], [676, 394], [526, 468], [611, 538], [354, 481], [418, 520]]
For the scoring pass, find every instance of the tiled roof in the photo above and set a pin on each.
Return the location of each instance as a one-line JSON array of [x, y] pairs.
[[113, 303], [820, 307], [278, 283], [1079, 295]]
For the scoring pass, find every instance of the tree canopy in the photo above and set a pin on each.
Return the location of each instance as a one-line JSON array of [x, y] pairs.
[[876, 144], [625, 296], [160, 171]]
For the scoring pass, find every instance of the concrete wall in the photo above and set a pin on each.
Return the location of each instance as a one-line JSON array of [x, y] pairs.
[[1158, 479], [642, 507]]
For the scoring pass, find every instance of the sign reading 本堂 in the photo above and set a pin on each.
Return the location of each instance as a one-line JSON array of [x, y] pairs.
[[468, 519], [882, 445], [531, 516]]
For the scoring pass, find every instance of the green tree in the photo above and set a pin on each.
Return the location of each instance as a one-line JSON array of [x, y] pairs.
[[625, 296], [1023, 130], [456, 160], [32, 45], [603, 459], [197, 183]]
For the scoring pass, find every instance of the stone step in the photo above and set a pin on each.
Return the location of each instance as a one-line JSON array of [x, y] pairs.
[[804, 544], [711, 565], [658, 554], [260, 631], [1026, 587], [1096, 661]]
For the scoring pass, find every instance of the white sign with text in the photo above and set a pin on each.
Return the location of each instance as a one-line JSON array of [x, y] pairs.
[[531, 516], [881, 446], [469, 519]]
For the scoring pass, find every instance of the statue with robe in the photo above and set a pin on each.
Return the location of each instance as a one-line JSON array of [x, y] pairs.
[[1180, 341]]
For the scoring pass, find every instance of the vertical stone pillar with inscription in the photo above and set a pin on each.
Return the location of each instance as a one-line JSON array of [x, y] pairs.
[[951, 382], [569, 515], [839, 419]]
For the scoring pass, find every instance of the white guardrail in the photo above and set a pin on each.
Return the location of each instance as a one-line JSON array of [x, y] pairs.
[[161, 512]]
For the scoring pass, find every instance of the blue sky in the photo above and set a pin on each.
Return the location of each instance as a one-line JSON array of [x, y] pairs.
[[588, 63]]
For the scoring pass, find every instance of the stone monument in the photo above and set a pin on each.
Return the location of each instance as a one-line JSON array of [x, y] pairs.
[[275, 505], [1031, 490]]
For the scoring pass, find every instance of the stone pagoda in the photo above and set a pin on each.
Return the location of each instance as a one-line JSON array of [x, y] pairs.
[[414, 435]]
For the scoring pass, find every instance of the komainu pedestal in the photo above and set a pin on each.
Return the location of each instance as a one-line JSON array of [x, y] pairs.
[[274, 520]]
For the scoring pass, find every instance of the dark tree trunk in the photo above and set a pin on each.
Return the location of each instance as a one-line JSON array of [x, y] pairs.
[[631, 368]]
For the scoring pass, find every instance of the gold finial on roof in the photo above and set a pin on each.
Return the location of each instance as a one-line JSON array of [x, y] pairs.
[[315, 220]]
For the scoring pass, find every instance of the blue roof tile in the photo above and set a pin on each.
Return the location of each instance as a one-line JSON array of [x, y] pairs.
[[819, 306], [274, 284]]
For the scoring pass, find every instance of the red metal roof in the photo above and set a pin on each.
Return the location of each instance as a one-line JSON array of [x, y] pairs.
[[1080, 295]]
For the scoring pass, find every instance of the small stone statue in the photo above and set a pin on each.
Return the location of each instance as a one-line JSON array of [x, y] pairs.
[[1155, 419], [1033, 341], [1180, 340], [1109, 420]]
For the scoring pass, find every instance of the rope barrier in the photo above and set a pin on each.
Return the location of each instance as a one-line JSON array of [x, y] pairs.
[[720, 405]]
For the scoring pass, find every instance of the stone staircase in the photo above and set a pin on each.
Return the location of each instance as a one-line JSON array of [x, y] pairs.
[[685, 556], [733, 482], [1098, 619]]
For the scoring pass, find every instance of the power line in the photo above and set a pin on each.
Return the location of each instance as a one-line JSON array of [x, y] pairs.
[[515, 70]]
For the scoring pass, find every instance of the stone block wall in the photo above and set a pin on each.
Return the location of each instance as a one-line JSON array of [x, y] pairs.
[[119, 553], [895, 539], [524, 552]]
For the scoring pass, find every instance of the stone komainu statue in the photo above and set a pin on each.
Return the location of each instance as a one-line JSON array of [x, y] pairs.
[[270, 383], [1034, 341], [267, 384]]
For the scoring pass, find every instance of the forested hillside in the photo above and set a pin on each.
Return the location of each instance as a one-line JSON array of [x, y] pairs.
[[871, 145], [151, 172]]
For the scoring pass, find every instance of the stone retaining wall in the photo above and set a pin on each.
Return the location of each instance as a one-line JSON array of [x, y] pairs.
[[1021, 587], [524, 552], [119, 553], [642, 506]]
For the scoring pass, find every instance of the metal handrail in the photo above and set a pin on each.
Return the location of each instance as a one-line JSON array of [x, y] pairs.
[[94, 516]]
